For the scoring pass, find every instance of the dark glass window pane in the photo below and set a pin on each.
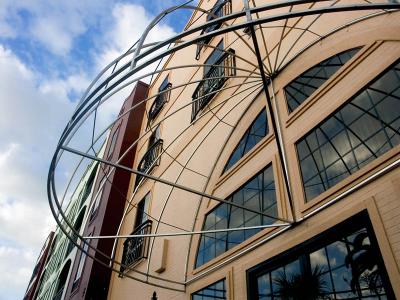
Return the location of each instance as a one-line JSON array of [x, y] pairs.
[[303, 86], [164, 84], [360, 131], [217, 67], [213, 58], [264, 286], [213, 291], [346, 266], [257, 194], [254, 134]]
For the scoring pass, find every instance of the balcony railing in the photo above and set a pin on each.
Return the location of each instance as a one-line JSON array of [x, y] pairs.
[[213, 81], [159, 102], [149, 160], [136, 248]]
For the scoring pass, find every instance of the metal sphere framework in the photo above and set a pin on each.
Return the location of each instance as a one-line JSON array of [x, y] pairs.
[[256, 77]]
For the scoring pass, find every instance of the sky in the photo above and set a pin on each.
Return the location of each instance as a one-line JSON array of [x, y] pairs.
[[49, 53]]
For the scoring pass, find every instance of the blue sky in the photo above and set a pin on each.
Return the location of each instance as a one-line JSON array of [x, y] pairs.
[[49, 52]]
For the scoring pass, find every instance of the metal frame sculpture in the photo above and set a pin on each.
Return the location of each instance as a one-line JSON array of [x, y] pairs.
[[257, 78]]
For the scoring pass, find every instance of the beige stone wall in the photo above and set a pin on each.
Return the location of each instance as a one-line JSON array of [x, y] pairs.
[[197, 153]]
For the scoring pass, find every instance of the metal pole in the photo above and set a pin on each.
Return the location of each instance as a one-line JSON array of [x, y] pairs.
[[181, 187], [265, 82]]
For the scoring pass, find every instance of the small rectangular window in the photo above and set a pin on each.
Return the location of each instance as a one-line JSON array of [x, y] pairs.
[[160, 99], [142, 211], [98, 194], [136, 248], [218, 67], [155, 136], [152, 156], [221, 8], [113, 142]]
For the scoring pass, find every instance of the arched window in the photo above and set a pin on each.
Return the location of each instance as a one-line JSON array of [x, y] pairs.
[[256, 132], [360, 131], [62, 280], [307, 83], [77, 227], [343, 262], [258, 194]]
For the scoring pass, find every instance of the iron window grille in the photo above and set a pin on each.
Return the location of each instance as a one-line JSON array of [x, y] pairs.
[[150, 159], [216, 73], [220, 9], [160, 100], [136, 248]]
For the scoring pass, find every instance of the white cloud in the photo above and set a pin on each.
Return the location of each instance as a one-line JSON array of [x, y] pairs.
[[130, 21], [6, 30], [49, 31], [76, 83], [14, 271], [127, 25], [55, 24], [31, 122]]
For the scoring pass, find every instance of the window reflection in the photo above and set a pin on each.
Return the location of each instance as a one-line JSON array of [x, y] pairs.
[[256, 132], [343, 269], [257, 194], [213, 291], [360, 131]]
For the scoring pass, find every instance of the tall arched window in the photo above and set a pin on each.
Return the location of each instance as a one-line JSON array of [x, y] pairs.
[[255, 133]]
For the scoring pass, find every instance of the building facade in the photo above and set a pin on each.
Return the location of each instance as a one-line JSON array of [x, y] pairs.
[[91, 278], [37, 273], [57, 270], [95, 208], [289, 128]]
